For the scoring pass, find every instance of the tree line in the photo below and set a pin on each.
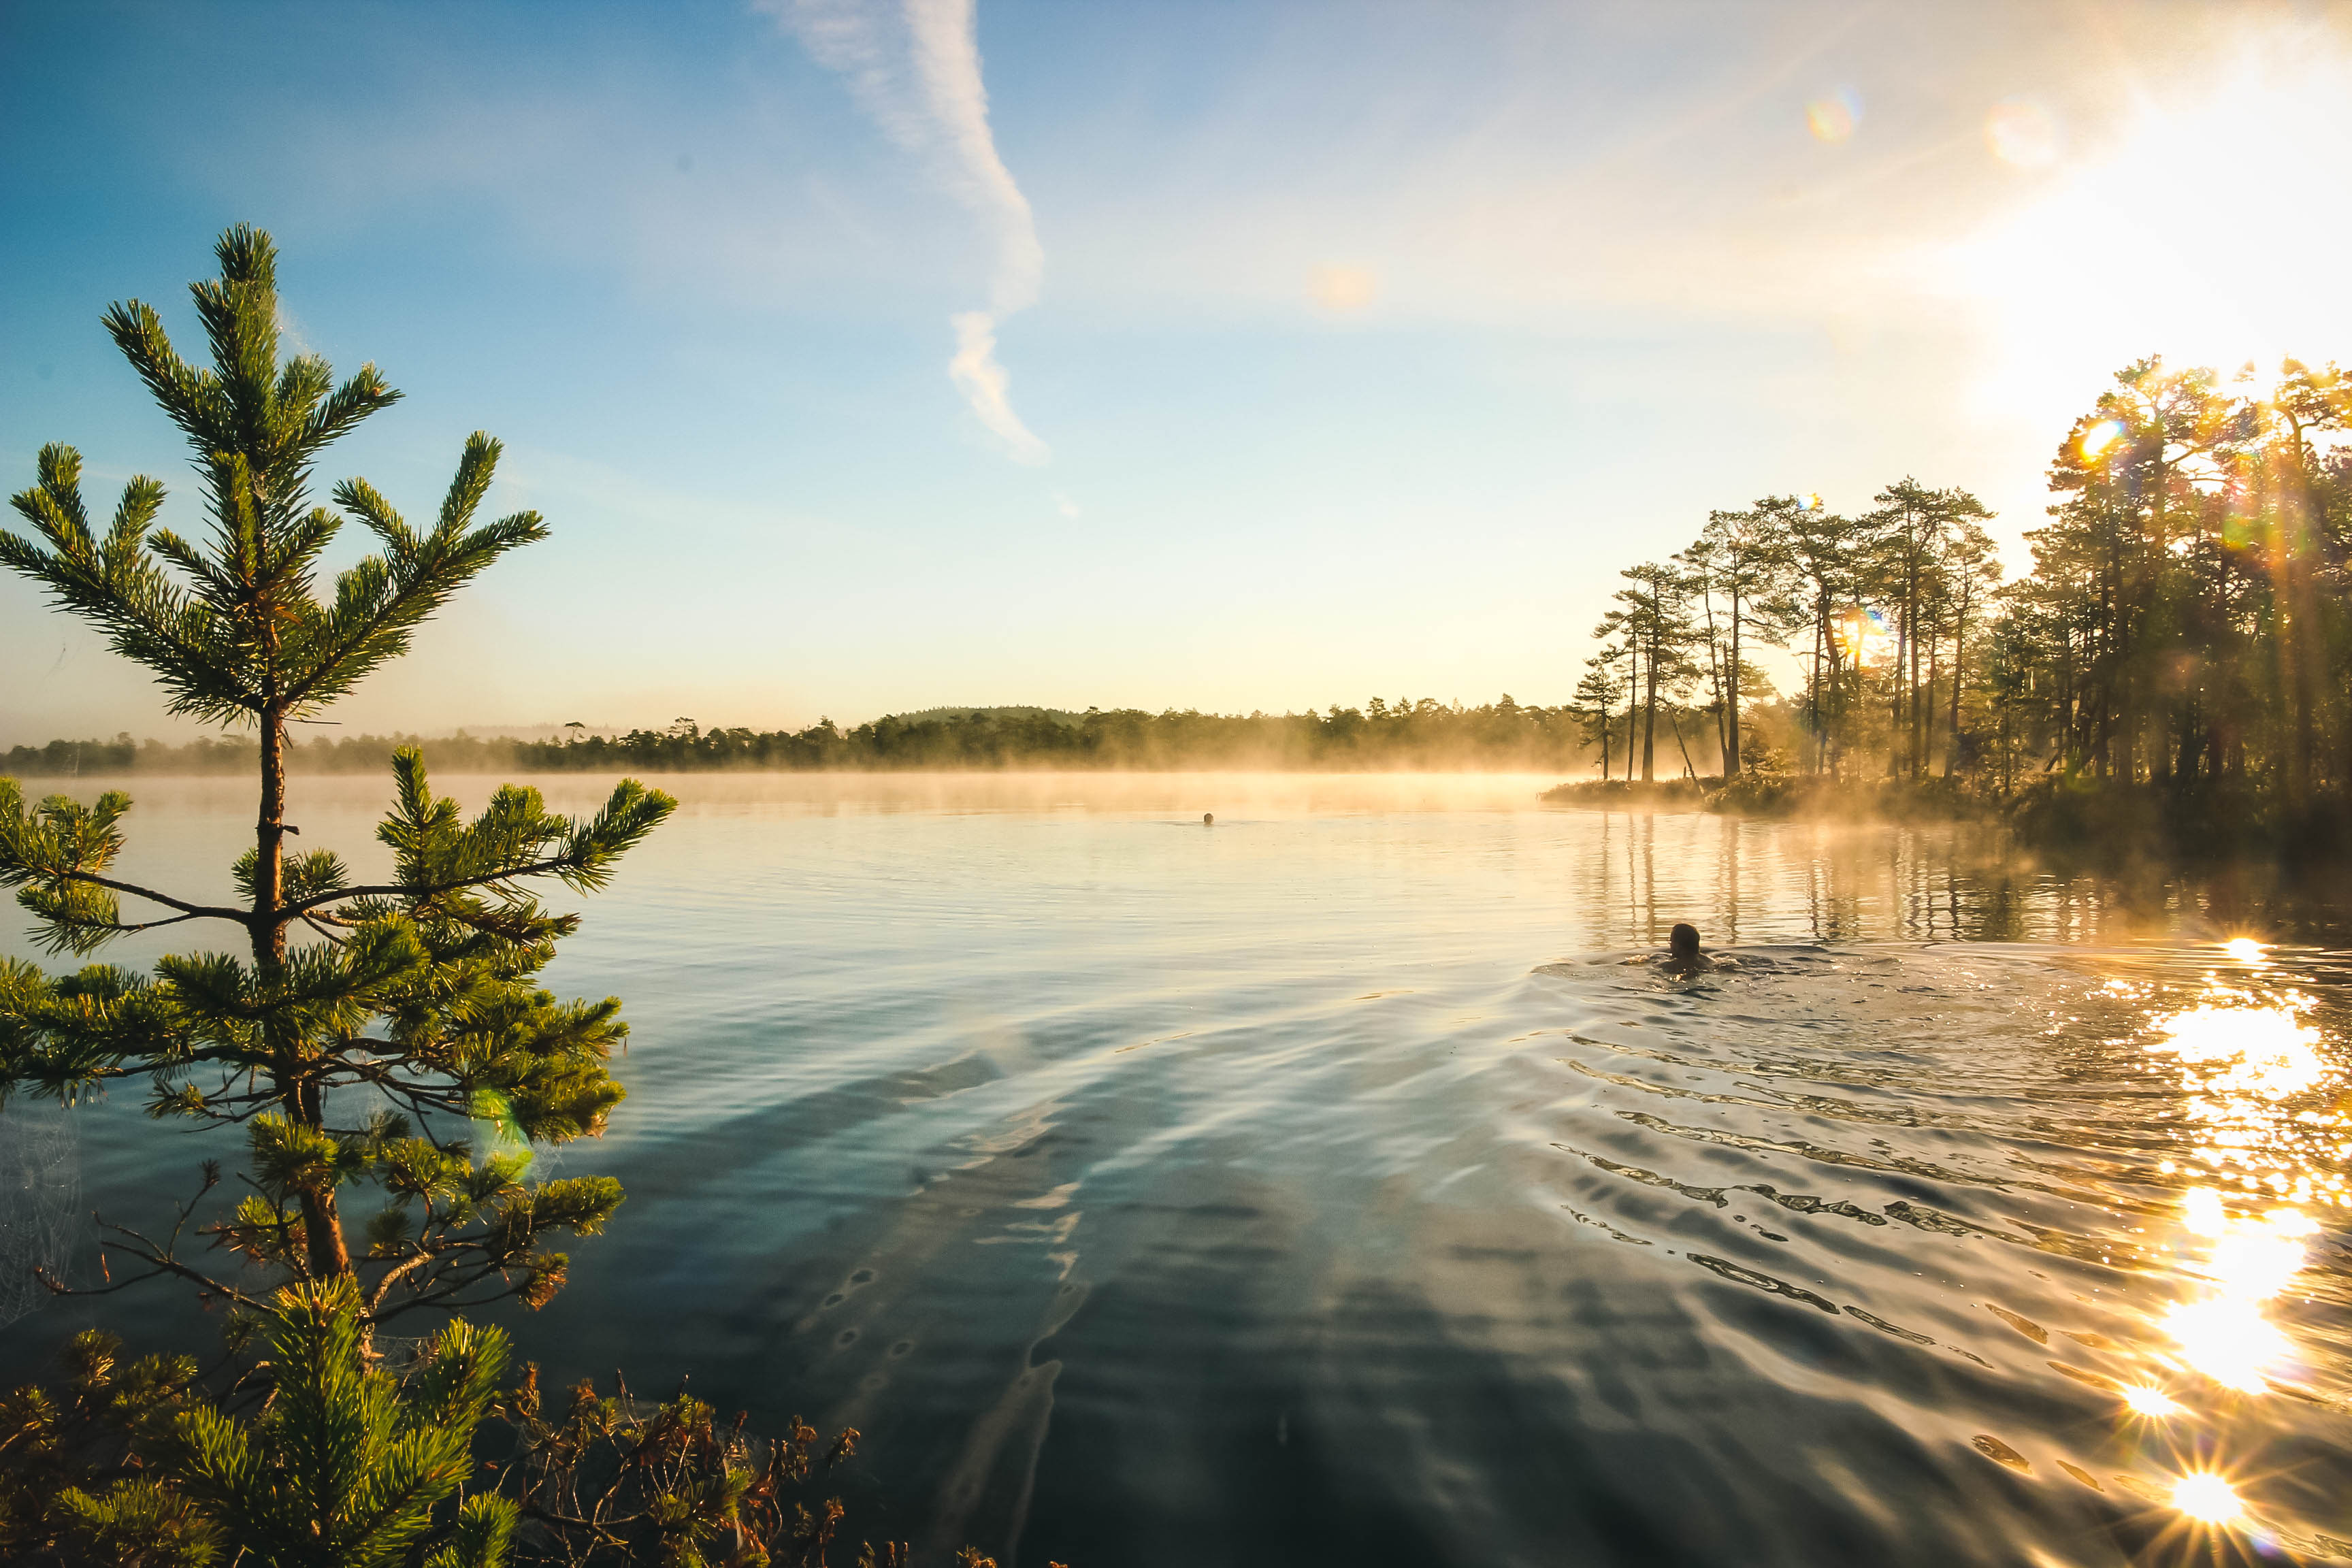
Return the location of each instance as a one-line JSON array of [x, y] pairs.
[[1405, 733], [2185, 628]]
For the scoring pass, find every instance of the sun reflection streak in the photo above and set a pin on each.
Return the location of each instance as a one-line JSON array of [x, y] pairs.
[[2266, 1052], [2243, 1059]]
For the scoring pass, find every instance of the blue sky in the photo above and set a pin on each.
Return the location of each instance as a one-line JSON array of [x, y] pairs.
[[878, 355]]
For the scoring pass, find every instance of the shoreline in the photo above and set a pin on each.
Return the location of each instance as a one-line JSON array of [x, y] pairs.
[[2100, 823]]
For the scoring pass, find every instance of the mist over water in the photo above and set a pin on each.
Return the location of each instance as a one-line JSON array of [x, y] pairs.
[[1325, 1185]]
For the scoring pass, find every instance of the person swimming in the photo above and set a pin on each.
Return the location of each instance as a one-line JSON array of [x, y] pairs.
[[1683, 955], [1207, 819]]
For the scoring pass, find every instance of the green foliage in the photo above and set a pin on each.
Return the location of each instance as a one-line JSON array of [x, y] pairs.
[[76, 1484], [422, 989], [2176, 672], [324, 1454], [2189, 623], [415, 1002], [346, 1463], [233, 626], [338, 1462], [1383, 733]]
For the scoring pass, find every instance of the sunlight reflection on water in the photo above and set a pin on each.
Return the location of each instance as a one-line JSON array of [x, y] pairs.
[[1325, 1185], [2243, 1060]]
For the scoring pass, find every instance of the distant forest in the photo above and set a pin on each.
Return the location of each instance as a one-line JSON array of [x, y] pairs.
[[2183, 642], [1403, 734]]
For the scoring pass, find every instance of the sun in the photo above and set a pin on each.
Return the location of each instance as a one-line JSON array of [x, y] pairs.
[[2196, 235]]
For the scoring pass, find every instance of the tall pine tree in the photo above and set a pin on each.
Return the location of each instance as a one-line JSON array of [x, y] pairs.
[[360, 1032]]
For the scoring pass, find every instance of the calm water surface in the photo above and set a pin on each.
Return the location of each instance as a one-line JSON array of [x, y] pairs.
[[1328, 1186]]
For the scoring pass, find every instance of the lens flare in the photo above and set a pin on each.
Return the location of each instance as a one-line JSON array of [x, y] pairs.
[[2090, 270], [2099, 437], [2207, 1498], [1342, 288], [1833, 115], [2245, 950], [1862, 633], [2151, 1402], [2022, 133]]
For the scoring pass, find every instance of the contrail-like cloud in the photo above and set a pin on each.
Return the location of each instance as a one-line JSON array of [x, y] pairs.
[[914, 65]]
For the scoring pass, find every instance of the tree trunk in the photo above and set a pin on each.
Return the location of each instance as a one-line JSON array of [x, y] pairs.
[[1650, 713], [1911, 635], [322, 1230], [1731, 689], [1959, 657], [1922, 721], [1813, 696], [1632, 701]]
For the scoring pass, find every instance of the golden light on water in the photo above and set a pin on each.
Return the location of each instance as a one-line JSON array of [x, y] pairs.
[[2228, 1339], [2245, 1059], [2207, 1498], [2246, 950], [2248, 1262], [2151, 1402], [2267, 1052]]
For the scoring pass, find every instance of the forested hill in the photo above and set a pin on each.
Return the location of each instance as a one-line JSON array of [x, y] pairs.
[[1423, 734]]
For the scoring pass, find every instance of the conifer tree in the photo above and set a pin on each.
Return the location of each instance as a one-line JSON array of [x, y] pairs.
[[346, 1465], [362, 1029], [1596, 698]]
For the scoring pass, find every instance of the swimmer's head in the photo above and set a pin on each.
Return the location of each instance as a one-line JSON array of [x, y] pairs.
[[1207, 819], [1682, 942]]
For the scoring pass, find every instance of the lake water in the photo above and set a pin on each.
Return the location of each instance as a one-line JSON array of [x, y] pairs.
[[1325, 1186]]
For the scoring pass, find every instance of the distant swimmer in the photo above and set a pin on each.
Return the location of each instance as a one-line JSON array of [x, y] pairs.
[[1207, 819]]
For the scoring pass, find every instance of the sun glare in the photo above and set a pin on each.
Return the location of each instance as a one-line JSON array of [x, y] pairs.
[[2107, 263], [2207, 1498], [2223, 1333], [2267, 1052], [2022, 131], [2153, 1403], [2099, 437]]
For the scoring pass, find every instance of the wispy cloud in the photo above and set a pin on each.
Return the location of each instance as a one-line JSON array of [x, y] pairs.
[[914, 65]]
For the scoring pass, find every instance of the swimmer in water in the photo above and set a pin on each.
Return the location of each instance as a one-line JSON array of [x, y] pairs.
[[1207, 819], [1683, 956]]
